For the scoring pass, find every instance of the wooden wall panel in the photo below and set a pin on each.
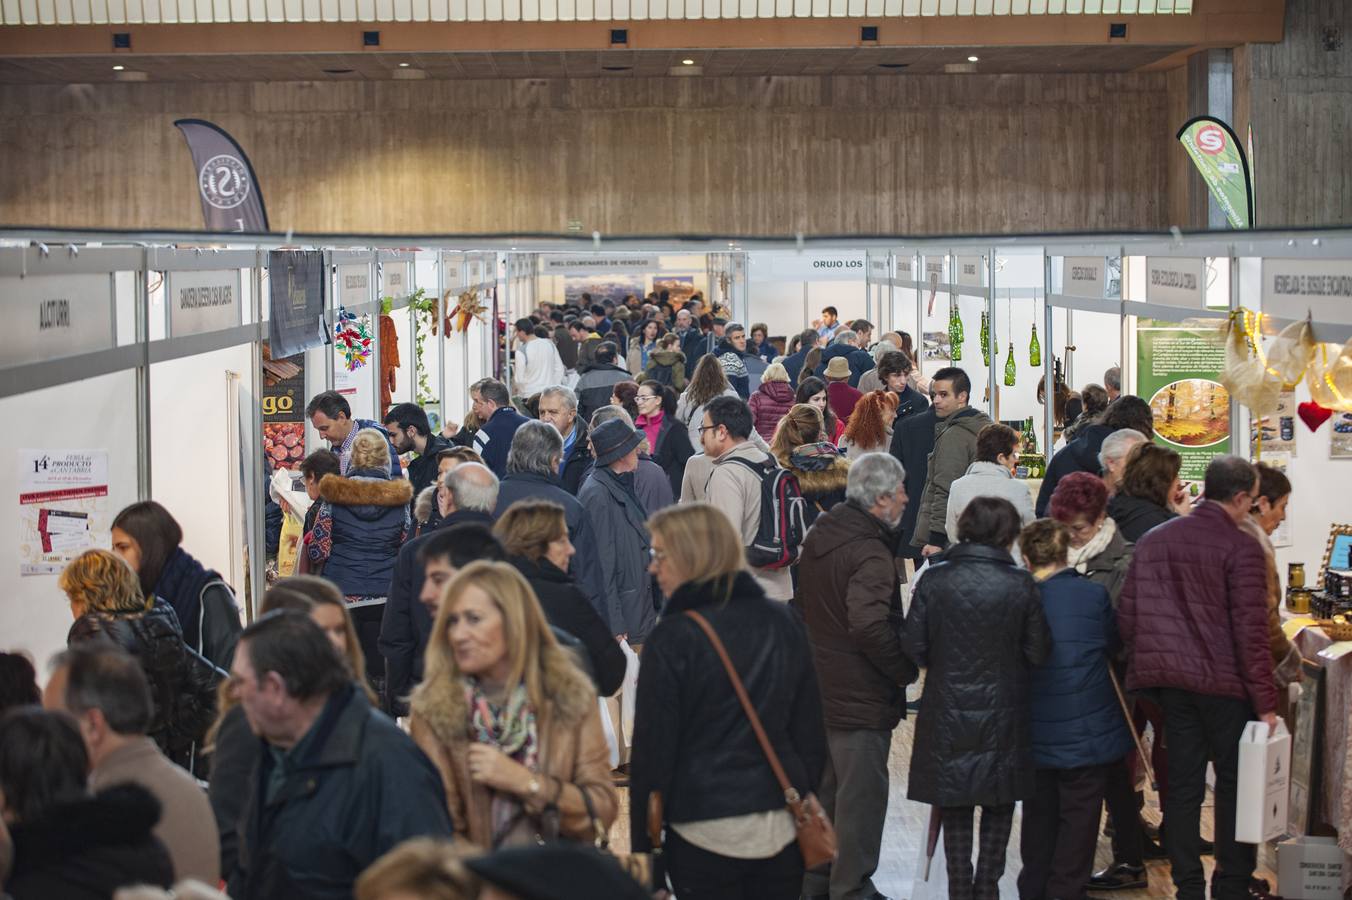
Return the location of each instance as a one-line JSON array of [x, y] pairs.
[[928, 154]]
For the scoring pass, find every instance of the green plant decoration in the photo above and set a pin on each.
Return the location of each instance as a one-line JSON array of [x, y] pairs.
[[425, 317]]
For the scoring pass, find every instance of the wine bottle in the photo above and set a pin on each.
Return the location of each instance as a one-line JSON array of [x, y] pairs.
[[1034, 349], [1010, 368], [985, 338], [955, 333]]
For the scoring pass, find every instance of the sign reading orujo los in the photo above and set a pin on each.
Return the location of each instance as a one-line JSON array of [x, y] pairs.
[[560, 264], [1321, 288], [1219, 157], [50, 316], [971, 271], [808, 266], [1176, 282], [202, 301], [1083, 276]]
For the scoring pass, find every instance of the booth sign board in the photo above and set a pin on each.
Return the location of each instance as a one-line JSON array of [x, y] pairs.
[[202, 301], [1321, 288], [971, 271], [597, 262], [906, 268], [1176, 282], [934, 270], [50, 316], [354, 284], [397, 282], [816, 267], [1083, 276], [878, 268]]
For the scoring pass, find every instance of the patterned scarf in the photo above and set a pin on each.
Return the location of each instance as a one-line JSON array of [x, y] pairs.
[[510, 728], [1080, 556]]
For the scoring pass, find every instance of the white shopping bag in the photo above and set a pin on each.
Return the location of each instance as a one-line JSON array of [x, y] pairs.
[[1264, 783], [608, 728], [628, 693]]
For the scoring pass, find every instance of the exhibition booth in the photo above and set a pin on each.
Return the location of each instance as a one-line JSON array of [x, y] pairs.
[[143, 366]]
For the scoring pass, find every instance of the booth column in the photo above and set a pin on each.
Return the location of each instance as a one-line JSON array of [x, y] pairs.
[[143, 469], [1048, 361]]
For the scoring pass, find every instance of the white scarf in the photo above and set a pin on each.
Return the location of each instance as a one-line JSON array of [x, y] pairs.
[[1080, 557]]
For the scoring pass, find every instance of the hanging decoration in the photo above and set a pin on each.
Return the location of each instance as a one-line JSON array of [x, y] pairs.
[[1011, 369], [1331, 383], [987, 346], [1245, 371], [468, 307], [955, 332], [1313, 415], [1034, 349], [352, 338]]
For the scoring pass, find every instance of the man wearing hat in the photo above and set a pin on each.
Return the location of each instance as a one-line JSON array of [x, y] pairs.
[[618, 519], [839, 394]]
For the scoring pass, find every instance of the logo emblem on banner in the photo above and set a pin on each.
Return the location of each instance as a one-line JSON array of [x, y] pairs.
[[224, 182], [1211, 140]]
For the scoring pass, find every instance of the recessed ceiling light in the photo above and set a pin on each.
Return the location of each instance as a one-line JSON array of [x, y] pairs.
[[687, 62], [118, 68], [971, 59], [403, 65]]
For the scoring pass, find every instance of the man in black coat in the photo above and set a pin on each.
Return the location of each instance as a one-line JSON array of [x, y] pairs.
[[337, 784], [1082, 453], [410, 432], [846, 344], [912, 443], [466, 495], [595, 387], [558, 407], [793, 363]]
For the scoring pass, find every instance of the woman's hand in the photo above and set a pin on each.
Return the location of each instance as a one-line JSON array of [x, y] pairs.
[[491, 767]]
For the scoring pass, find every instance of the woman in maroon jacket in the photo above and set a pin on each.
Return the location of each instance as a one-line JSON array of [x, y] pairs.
[[771, 400]]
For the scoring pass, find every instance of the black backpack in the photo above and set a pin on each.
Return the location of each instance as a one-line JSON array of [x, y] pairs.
[[783, 519]]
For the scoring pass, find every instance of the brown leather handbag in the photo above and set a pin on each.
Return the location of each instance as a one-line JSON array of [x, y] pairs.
[[816, 835]]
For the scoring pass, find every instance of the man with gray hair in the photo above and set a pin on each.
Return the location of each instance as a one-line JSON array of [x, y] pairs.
[[850, 597], [1113, 455], [499, 420], [467, 493], [1112, 383], [846, 344], [558, 407], [532, 474]]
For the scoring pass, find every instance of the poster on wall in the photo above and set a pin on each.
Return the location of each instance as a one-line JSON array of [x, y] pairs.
[[1275, 433], [603, 287], [283, 411], [296, 300], [1340, 442], [1178, 371], [63, 507], [679, 288]]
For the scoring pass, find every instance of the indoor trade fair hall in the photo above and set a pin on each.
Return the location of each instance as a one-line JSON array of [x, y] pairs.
[[676, 449]]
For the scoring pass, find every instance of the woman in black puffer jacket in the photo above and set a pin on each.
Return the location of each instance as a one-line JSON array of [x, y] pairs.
[[976, 624], [107, 603]]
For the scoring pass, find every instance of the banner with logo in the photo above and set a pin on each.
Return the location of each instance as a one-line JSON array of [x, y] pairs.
[[1178, 374], [226, 183], [63, 507], [296, 290], [1219, 157]]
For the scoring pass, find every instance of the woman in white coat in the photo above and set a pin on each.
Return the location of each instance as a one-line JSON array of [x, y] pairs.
[[991, 475]]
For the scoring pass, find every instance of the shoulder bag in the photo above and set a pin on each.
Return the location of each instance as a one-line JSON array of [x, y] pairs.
[[816, 835]]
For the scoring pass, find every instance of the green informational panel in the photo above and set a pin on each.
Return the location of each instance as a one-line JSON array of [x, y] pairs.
[[1178, 371]]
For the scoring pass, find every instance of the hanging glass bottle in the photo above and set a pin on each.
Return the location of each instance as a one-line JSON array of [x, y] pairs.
[[1010, 368], [955, 332], [1034, 349], [985, 338]]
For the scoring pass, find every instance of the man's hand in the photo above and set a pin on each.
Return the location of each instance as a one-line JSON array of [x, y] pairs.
[[1271, 720], [929, 550], [449, 429]]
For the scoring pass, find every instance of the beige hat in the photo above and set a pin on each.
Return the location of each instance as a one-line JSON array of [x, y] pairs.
[[838, 368]]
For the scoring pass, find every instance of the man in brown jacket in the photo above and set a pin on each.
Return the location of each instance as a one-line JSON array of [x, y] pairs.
[[849, 593], [107, 693]]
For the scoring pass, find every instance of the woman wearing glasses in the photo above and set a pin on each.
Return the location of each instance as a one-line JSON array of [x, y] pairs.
[[668, 439]]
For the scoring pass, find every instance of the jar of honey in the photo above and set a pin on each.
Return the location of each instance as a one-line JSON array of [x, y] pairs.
[[1295, 575]]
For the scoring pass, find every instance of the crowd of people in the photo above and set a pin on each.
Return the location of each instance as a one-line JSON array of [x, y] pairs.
[[673, 557]]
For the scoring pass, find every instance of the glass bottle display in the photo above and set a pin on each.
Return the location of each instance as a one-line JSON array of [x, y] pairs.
[[1034, 349], [1011, 369], [985, 338], [955, 332]]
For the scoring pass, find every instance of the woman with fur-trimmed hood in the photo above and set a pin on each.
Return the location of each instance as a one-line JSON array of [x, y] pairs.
[[801, 447], [510, 722], [363, 521]]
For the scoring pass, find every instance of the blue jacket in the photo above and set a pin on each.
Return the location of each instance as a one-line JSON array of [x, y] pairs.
[[586, 565], [860, 361], [793, 364], [494, 439], [1077, 721], [362, 523], [357, 787]]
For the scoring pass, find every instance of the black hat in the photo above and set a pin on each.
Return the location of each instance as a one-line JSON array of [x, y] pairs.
[[557, 872], [612, 439]]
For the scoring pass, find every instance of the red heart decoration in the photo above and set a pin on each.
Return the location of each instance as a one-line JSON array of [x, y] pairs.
[[1313, 415]]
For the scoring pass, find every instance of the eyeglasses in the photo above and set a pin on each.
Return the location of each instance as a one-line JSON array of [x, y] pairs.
[[704, 428], [656, 555]]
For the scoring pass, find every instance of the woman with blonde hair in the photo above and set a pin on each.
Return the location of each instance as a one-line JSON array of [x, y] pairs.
[[800, 445], [870, 426], [363, 521], [693, 744], [535, 535], [706, 382], [107, 604], [510, 722], [233, 747], [771, 400]]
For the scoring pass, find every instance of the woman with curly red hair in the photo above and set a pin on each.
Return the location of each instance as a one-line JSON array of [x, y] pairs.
[[1097, 549], [870, 425]]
